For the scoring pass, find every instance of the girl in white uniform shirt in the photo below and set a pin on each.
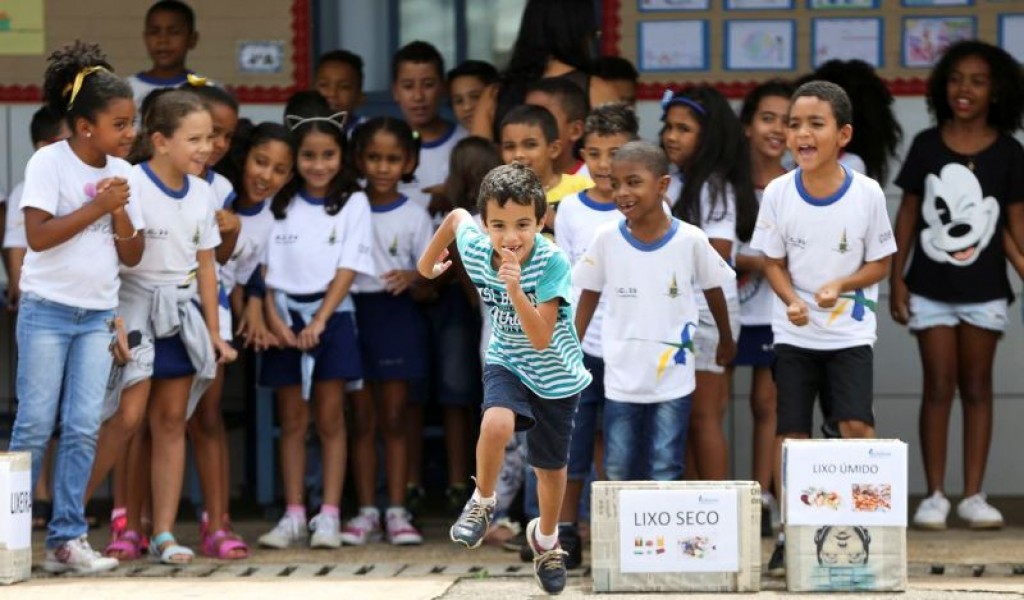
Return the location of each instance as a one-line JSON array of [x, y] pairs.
[[80, 225], [320, 239], [702, 135], [392, 336], [171, 366]]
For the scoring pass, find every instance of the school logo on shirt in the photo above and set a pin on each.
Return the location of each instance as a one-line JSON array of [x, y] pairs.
[[843, 246], [673, 288], [156, 233], [626, 292], [859, 303], [333, 239], [677, 350], [393, 248], [195, 236], [286, 239]]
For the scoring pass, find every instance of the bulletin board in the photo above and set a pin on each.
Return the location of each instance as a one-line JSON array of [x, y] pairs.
[[736, 44], [260, 49]]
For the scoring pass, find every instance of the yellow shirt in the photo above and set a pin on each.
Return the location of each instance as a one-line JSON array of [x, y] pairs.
[[570, 184]]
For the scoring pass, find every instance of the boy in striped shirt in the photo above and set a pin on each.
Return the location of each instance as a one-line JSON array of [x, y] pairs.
[[533, 371]]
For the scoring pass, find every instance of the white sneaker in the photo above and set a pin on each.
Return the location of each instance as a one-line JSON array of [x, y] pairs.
[[78, 556], [768, 501], [401, 531], [978, 513], [362, 528], [932, 512], [289, 530], [326, 532]]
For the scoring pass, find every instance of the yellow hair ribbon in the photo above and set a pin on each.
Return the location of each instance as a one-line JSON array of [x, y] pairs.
[[195, 80], [76, 86]]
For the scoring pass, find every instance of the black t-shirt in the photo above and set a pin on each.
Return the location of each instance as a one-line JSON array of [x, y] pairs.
[[958, 243]]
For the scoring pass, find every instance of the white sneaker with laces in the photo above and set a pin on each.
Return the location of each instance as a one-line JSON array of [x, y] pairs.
[[326, 531], [401, 531], [932, 512], [290, 530], [77, 556], [362, 528], [978, 513]]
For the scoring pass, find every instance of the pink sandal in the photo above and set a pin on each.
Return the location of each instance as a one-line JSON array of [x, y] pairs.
[[127, 545], [223, 544]]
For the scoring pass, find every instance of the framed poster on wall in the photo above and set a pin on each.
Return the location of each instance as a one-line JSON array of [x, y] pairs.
[[847, 39], [926, 38], [673, 46], [760, 45]]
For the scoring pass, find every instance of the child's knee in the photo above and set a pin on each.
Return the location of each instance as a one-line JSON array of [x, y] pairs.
[[498, 425], [392, 425]]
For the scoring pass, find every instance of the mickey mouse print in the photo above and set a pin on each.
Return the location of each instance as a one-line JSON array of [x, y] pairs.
[[959, 221]]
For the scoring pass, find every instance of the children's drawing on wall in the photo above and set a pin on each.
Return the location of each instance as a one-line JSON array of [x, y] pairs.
[[841, 4], [759, 45], [848, 39], [673, 4], [926, 38], [673, 46]]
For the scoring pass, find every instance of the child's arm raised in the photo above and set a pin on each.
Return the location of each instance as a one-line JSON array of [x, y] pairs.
[[433, 262], [870, 273], [207, 276], [778, 276], [726, 350], [585, 309], [538, 321]]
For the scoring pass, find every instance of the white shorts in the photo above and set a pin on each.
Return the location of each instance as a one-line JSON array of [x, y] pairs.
[[705, 341]]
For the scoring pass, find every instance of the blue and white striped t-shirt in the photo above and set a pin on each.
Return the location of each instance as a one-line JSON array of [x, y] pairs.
[[555, 372]]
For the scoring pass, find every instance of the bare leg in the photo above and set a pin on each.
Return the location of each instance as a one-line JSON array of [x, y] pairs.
[[392, 428], [456, 442], [364, 447], [329, 402], [293, 414], [762, 406], [209, 440], [137, 478], [414, 441], [706, 416], [116, 432], [550, 494], [938, 350], [496, 430], [977, 351], [167, 425]]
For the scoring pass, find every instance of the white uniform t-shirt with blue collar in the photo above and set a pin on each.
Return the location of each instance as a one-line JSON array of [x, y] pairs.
[[651, 312], [179, 223], [83, 271], [579, 218], [824, 239], [307, 247], [433, 166], [401, 233]]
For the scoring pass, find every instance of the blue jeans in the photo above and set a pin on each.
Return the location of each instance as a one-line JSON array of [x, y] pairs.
[[645, 441], [61, 345], [588, 413]]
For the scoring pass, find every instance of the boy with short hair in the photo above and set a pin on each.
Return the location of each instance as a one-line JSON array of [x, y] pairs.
[[466, 83], [534, 369], [607, 128], [621, 75], [569, 105], [169, 34], [826, 236], [646, 268], [339, 79], [417, 86]]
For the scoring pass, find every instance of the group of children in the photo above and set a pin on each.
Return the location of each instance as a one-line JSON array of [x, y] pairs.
[[610, 284]]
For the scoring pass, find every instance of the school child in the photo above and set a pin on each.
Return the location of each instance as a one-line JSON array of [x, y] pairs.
[[178, 341], [825, 234], [169, 34], [339, 78], [607, 128], [763, 116], [417, 86], [621, 75], [529, 135], [534, 368], [649, 267], [962, 188], [321, 238], [466, 83], [392, 339], [703, 137], [569, 106], [79, 225]]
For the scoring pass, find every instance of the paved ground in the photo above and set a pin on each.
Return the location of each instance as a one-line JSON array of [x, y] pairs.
[[951, 564]]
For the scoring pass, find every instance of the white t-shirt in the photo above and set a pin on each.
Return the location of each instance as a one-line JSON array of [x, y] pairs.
[[651, 312], [143, 84], [757, 300], [250, 248], [308, 246], [14, 227], [824, 239], [433, 167], [83, 271], [223, 191], [180, 223], [401, 233], [579, 217], [719, 223]]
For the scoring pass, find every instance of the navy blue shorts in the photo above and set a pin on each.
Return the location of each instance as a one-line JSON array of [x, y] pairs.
[[548, 422], [337, 355], [170, 359], [392, 337], [453, 342], [754, 347]]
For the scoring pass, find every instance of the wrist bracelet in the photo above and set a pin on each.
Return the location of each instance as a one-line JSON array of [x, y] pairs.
[[134, 234]]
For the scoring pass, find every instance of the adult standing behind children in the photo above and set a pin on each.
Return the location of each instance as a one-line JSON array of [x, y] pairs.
[[962, 184], [555, 39], [169, 34], [534, 366], [826, 237], [80, 227]]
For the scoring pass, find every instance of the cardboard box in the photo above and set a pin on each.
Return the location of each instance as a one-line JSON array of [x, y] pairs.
[[15, 517], [844, 506], [677, 536]]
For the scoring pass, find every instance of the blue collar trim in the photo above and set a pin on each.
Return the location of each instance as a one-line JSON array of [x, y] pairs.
[[652, 246], [176, 194]]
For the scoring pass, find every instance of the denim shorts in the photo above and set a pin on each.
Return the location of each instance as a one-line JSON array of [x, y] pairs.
[[548, 422], [926, 313]]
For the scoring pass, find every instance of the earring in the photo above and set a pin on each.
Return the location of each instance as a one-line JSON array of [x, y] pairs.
[[88, 134]]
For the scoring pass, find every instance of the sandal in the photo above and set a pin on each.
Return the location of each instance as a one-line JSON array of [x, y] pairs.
[[225, 545], [165, 549], [127, 545]]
